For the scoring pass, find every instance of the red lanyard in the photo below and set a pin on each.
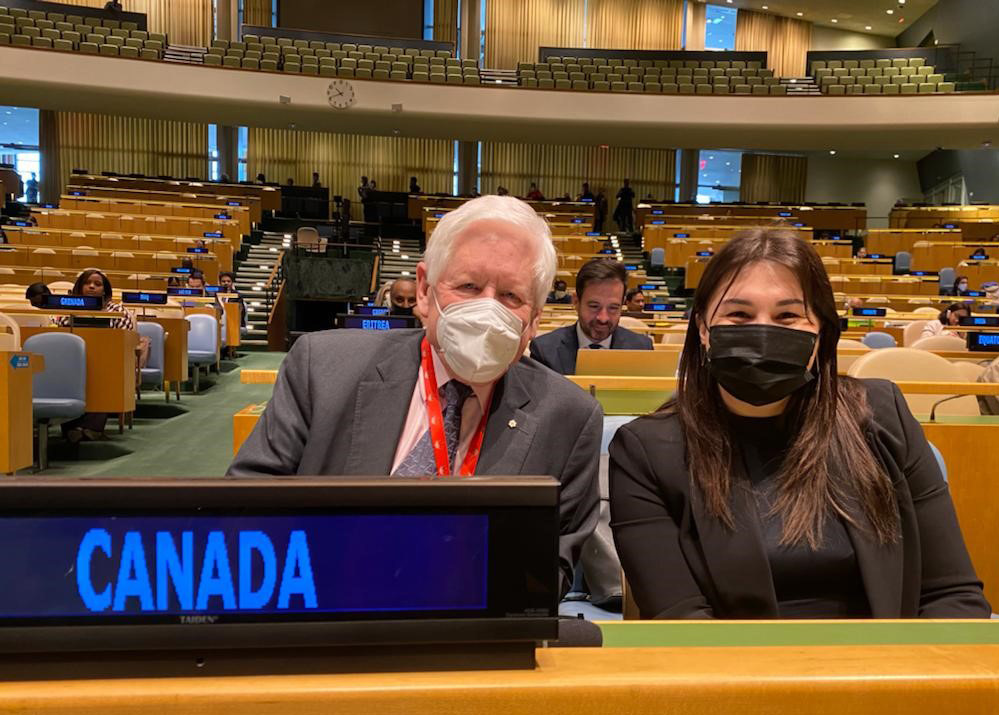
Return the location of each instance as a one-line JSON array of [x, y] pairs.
[[435, 420]]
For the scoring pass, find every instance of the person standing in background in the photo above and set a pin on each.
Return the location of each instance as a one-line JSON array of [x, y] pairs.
[[586, 194], [625, 206], [31, 189], [414, 186], [600, 214]]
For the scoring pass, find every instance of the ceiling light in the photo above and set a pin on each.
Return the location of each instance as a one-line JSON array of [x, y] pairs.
[[894, 156], [890, 12], [834, 20], [766, 7], [800, 14], [867, 27], [832, 152]]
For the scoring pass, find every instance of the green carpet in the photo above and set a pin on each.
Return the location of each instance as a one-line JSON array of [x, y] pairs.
[[189, 439]]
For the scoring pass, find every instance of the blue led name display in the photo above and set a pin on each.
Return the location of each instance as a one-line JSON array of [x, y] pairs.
[[681, 235], [138, 297], [371, 310], [657, 212], [202, 565], [180, 269], [196, 249], [233, 203], [185, 291], [630, 267], [922, 273], [606, 251], [973, 293], [784, 214], [659, 222], [705, 253], [870, 312], [983, 341], [593, 233], [223, 216], [74, 302], [22, 223], [578, 220], [376, 325], [213, 234], [660, 307], [986, 321], [648, 286], [212, 290]]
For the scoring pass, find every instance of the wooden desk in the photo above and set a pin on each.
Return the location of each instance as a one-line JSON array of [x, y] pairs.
[[16, 423], [243, 423], [804, 680], [110, 366], [233, 323], [970, 448], [258, 377]]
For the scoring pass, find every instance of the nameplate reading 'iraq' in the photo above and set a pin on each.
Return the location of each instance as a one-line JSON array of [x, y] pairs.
[[199, 567]]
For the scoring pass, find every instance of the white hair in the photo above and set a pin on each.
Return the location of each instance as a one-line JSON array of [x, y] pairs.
[[500, 208]]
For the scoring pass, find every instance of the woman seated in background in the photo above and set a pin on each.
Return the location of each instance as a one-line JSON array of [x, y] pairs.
[[93, 282], [771, 487], [960, 286], [948, 318], [36, 293]]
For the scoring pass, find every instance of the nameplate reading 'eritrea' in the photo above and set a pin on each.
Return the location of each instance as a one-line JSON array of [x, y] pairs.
[[188, 567]]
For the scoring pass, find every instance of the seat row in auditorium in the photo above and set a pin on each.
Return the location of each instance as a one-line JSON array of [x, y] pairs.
[[554, 63], [39, 16], [331, 60], [655, 76], [83, 38]]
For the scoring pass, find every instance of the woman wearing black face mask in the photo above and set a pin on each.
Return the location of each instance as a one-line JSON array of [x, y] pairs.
[[770, 487]]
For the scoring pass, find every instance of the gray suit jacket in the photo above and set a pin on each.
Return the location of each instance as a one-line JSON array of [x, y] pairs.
[[558, 348], [341, 400]]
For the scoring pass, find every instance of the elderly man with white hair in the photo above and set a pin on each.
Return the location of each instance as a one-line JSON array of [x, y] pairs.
[[456, 399]]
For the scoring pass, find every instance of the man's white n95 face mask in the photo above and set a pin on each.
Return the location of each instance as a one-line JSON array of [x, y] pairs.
[[478, 338]]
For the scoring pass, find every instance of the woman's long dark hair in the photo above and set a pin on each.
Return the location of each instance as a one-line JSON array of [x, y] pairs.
[[827, 418]]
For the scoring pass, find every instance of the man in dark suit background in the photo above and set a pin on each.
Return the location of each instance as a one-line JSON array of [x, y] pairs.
[[600, 287], [354, 402]]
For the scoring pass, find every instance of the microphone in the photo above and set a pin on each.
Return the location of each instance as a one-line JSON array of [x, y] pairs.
[[933, 410], [576, 633]]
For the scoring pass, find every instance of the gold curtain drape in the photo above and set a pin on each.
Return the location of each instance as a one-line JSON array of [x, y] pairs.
[[697, 18], [785, 39], [185, 22], [560, 170], [635, 24], [341, 160], [48, 145], [98, 142], [446, 20], [257, 12], [773, 177], [515, 29]]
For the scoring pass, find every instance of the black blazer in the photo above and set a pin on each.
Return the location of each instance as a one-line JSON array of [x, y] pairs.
[[681, 562], [558, 348]]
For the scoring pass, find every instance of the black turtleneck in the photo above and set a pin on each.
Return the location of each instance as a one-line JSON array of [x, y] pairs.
[[824, 583]]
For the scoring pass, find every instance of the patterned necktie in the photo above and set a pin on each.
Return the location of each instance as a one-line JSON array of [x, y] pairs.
[[420, 461]]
